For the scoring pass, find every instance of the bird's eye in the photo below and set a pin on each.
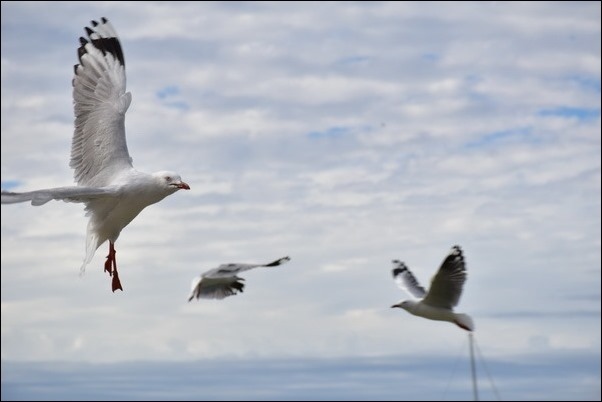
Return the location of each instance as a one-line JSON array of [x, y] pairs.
[[167, 178]]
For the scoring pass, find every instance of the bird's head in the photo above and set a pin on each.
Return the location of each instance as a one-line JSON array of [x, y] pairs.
[[406, 305], [171, 181]]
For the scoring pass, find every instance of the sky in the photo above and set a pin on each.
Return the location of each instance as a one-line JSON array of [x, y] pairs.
[[344, 135]]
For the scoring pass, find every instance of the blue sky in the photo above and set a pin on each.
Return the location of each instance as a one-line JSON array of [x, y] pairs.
[[344, 135]]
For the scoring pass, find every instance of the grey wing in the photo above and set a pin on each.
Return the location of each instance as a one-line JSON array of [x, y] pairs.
[[406, 280], [227, 270], [99, 149], [446, 286], [215, 288], [67, 194]]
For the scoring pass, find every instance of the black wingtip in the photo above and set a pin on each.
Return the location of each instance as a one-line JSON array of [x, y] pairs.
[[456, 250], [238, 285], [454, 258], [397, 271], [278, 262], [107, 45]]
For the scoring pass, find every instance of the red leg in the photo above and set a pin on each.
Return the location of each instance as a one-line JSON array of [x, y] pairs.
[[110, 259], [116, 283], [111, 268]]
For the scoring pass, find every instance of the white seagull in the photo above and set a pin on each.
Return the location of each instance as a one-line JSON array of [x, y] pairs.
[[112, 190], [221, 282], [444, 294]]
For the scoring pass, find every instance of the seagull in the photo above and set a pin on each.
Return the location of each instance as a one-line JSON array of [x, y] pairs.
[[221, 282], [113, 192], [444, 294]]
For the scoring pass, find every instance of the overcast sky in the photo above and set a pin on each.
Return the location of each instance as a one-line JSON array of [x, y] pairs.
[[344, 135]]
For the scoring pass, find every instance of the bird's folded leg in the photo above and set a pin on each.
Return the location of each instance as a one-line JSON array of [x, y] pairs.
[[110, 259], [109, 266]]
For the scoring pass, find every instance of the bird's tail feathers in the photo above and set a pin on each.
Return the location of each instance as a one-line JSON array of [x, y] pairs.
[[464, 321], [91, 247]]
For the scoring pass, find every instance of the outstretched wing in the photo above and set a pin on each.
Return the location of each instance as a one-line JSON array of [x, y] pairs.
[[99, 149], [215, 288], [446, 286], [228, 270], [406, 280], [67, 194]]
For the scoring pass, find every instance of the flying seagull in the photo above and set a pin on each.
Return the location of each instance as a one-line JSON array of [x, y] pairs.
[[113, 192], [221, 282], [444, 294]]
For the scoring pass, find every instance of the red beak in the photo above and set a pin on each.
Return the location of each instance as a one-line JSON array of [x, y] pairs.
[[183, 185]]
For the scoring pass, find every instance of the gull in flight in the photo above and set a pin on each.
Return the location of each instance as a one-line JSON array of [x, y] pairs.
[[221, 282], [444, 294], [113, 192]]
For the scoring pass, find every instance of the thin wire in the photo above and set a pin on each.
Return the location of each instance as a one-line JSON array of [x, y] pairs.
[[473, 369], [495, 391], [462, 346]]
